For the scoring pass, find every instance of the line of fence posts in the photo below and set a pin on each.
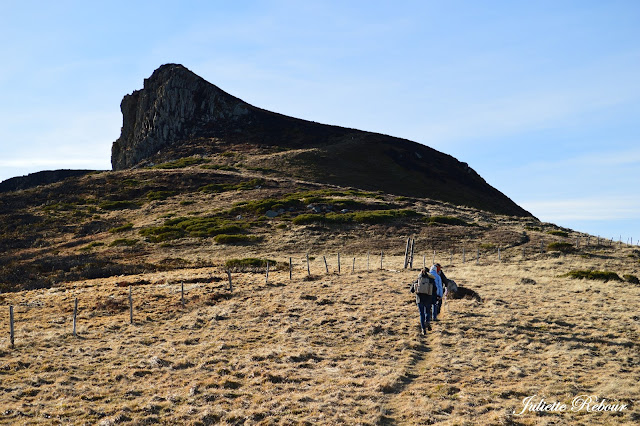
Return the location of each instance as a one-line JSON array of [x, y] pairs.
[[408, 262], [75, 311], [229, 276]]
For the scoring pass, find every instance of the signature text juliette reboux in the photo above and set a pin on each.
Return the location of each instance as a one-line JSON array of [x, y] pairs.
[[579, 403]]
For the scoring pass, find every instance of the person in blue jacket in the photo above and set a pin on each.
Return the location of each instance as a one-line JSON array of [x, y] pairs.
[[437, 296]]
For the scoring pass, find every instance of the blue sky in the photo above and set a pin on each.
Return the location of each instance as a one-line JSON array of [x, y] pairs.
[[541, 98]]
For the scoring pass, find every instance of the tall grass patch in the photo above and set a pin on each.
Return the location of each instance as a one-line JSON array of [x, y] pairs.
[[224, 187], [123, 228], [558, 233], [594, 275], [118, 205], [367, 217], [191, 227], [236, 239], [160, 195], [126, 242], [260, 207], [561, 247], [447, 220], [249, 264], [180, 163]]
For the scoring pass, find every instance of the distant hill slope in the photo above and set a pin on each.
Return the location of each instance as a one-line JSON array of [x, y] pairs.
[[179, 114], [39, 178]]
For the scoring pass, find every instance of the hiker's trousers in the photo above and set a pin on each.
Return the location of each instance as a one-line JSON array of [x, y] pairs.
[[425, 312]]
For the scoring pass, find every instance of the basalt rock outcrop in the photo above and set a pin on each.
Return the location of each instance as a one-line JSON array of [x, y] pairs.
[[174, 105], [179, 114]]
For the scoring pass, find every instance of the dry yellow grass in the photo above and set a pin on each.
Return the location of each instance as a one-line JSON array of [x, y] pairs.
[[328, 350]]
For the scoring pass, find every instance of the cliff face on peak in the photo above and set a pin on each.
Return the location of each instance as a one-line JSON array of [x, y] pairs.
[[178, 113], [175, 104]]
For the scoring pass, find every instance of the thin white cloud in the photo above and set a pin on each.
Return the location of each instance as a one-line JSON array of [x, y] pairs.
[[490, 102], [601, 208], [515, 114], [59, 163], [590, 165]]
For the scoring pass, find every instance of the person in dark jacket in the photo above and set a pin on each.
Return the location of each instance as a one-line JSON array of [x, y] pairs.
[[424, 288]]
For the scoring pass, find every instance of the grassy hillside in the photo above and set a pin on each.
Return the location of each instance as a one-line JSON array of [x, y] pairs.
[[551, 319], [323, 350], [192, 211]]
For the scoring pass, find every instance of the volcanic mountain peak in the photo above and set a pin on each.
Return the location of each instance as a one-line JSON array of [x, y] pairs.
[[175, 104], [178, 114]]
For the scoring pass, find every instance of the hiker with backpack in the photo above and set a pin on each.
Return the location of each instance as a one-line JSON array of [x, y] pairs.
[[441, 279], [425, 289]]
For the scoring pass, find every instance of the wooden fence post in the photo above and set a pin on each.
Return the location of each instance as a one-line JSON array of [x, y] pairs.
[[11, 329], [413, 246], [326, 267], [406, 253], [353, 267], [182, 293], [308, 268], [464, 256], [130, 307], [499, 254], [75, 315], [266, 278], [230, 284], [290, 270], [338, 263], [477, 256]]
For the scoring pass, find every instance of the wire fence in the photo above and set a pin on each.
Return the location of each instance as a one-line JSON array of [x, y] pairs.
[[340, 264]]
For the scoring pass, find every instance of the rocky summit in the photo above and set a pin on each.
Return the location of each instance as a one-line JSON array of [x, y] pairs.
[[178, 114]]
